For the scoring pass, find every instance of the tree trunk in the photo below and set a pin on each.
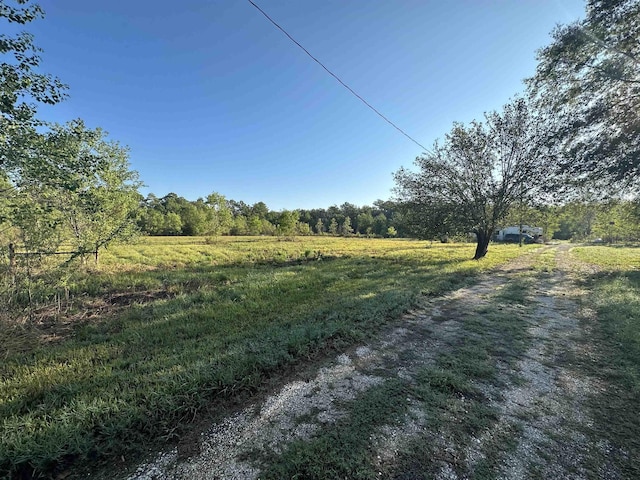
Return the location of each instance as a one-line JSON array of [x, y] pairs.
[[483, 237]]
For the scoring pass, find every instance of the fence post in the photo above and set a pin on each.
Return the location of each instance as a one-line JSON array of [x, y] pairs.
[[12, 260]]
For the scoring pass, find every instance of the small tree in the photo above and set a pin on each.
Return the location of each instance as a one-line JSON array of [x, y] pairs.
[[346, 229], [221, 217], [83, 181], [287, 222], [319, 227], [471, 181], [333, 227]]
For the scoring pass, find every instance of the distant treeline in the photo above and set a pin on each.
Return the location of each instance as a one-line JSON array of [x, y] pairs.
[[215, 215]]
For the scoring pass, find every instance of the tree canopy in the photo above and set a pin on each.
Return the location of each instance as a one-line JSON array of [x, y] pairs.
[[470, 182], [58, 183], [588, 78]]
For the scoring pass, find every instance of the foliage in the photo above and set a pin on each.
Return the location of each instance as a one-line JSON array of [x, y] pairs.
[[346, 229], [219, 214], [21, 84], [471, 182], [333, 227], [175, 215], [287, 222], [589, 81], [77, 190], [61, 186], [611, 221]]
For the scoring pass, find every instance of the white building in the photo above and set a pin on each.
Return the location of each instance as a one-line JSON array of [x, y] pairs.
[[535, 232]]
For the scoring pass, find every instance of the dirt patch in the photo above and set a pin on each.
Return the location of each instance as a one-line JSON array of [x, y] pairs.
[[57, 322]]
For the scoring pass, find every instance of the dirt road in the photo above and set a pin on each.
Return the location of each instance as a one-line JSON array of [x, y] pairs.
[[475, 384]]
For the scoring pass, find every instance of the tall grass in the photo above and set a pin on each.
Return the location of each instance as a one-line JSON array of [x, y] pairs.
[[229, 314]]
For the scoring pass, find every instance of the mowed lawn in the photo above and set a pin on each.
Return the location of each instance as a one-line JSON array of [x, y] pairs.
[[614, 296], [179, 323]]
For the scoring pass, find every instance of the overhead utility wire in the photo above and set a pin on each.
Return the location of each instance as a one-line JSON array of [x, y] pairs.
[[338, 79]]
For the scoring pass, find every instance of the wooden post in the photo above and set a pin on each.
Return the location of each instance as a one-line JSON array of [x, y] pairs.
[[12, 262]]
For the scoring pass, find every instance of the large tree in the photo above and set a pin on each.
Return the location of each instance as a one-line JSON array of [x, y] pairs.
[[589, 79], [470, 182]]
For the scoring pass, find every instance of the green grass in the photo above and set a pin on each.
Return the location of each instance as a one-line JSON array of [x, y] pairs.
[[612, 258], [224, 317], [615, 297]]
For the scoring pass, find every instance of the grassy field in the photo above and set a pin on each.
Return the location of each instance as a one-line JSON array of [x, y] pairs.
[[163, 327], [615, 297]]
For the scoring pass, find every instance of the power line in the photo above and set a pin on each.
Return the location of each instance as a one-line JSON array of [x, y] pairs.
[[337, 78]]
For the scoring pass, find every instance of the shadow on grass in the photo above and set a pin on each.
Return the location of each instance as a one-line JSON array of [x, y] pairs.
[[616, 332]]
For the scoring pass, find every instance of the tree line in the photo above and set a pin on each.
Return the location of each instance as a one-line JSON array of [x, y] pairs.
[[215, 215]]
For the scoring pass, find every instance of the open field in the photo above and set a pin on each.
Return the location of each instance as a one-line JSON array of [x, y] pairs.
[[163, 328]]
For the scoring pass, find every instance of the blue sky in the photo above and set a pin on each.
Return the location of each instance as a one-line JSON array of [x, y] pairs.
[[209, 96]]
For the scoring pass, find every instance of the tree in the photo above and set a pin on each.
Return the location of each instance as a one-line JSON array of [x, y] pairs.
[[380, 224], [471, 181], [260, 210], [319, 227], [365, 222], [21, 86], [287, 222], [333, 227], [240, 225], [254, 224], [589, 81], [617, 221], [77, 190], [221, 217], [302, 228], [346, 229], [195, 218]]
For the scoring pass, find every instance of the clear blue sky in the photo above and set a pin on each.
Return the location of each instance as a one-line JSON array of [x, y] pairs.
[[209, 96]]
